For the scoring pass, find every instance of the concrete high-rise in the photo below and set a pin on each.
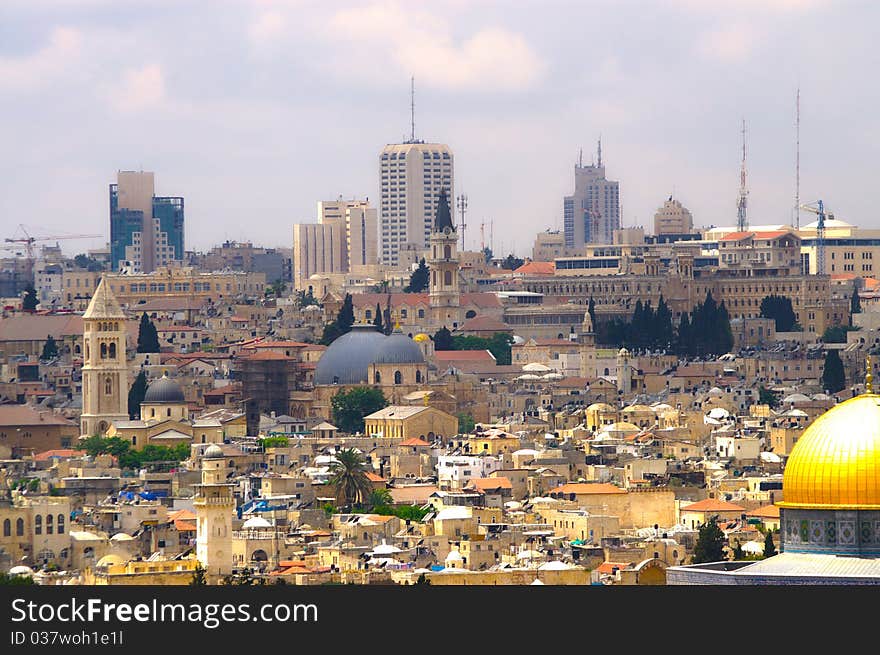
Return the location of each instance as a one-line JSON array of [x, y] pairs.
[[673, 218], [146, 230], [412, 175], [343, 240], [592, 212]]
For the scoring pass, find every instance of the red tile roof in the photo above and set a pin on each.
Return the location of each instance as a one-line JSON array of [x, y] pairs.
[[372, 477], [608, 567], [491, 484], [57, 452], [483, 324], [414, 441], [537, 268], [765, 512], [266, 355], [712, 505], [184, 526], [21, 415], [580, 488]]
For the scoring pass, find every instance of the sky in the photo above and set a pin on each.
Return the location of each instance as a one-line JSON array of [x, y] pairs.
[[254, 110]]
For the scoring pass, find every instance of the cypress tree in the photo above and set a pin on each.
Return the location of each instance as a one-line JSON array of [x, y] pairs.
[[378, 320], [148, 336], [136, 396], [833, 377]]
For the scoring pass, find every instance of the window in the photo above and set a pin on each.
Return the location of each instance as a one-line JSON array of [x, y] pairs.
[[398, 378], [38, 524], [108, 385], [418, 376], [61, 524], [377, 377], [19, 527], [7, 528], [49, 524]]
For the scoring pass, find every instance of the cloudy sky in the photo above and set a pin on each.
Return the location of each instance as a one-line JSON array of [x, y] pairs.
[[256, 109]]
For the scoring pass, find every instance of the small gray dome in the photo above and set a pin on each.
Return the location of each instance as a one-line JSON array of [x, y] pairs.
[[213, 452], [399, 349], [164, 390], [347, 360]]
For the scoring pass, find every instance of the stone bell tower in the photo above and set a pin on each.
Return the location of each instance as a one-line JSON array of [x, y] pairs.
[[445, 295], [104, 371], [214, 505]]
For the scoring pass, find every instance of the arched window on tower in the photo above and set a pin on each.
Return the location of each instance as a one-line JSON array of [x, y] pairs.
[[377, 378], [108, 385], [447, 252], [103, 351], [112, 351], [447, 278], [418, 376], [398, 377]]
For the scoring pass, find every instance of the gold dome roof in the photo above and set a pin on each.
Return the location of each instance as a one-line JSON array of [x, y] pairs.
[[421, 337], [836, 463]]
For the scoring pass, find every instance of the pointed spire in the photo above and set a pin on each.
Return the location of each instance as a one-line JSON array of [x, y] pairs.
[[104, 304], [443, 217]]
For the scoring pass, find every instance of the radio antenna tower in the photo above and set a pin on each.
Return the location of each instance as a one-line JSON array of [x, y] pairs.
[[462, 207], [742, 221], [412, 109], [797, 164]]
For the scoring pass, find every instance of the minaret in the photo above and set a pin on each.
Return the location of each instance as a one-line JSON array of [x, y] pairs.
[[445, 295], [214, 505], [104, 371], [624, 372], [587, 339]]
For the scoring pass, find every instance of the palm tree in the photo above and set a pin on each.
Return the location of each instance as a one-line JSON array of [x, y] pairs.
[[379, 497], [350, 477]]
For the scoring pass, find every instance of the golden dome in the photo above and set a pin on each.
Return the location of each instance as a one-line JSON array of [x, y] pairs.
[[421, 337], [836, 463]]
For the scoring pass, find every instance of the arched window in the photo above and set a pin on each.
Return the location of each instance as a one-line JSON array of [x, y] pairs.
[[168, 411], [377, 378], [103, 351], [108, 385], [398, 377], [49, 523], [418, 376], [61, 524], [112, 351], [447, 252], [470, 313], [447, 278], [38, 524], [19, 528], [7, 528]]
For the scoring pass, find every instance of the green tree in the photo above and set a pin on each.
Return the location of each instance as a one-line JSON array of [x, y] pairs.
[[591, 309], [443, 339], [836, 333], [136, 395], [305, 298], [664, 333], [487, 254], [767, 397], [350, 407], [780, 310], [29, 302], [855, 303], [500, 345], [350, 478], [418, 281], [16, 580], [769, 546], [377, 321], [738, 553], [511, 263], [97, 445], [148, 336], [466, 423], [89, 263], [380, 498], [342, 324], [423, 580], [50, 349], [710, 543], [833, 375], [198, 578]]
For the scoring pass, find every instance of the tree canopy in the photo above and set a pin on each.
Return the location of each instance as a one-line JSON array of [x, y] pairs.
[[833, 375], [419, 279], [50, 349], [136, 396], [710, 543], [148, 336], [29, 302], [443, 339], [499, 344], [780, 310], [129, 458], [511, 263], [350, 407], [769, 546], [342, 324], [349, 473]]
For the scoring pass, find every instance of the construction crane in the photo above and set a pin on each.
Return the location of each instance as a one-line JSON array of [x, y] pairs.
[[818, 208], [28, 242]]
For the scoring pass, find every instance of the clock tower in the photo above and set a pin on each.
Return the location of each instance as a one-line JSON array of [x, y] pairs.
[[445, 295]]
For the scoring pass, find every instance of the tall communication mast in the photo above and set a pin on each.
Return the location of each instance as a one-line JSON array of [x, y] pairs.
[[797, 164], [742, 221], [462, 208]]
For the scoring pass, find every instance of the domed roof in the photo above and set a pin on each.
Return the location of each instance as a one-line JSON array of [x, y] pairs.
[[421, 337], [164, 390], [213, 452], [347, 359], [836, 463], [399, 349]]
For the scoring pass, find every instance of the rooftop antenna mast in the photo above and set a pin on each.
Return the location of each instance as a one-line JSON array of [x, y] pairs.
[[581, 158], [482, 235], [462, 207], [797, 165], [742, 222], [599, 162], [412, 109]]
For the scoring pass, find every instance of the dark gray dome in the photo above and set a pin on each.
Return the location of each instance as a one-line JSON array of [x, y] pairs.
[[399, 349], [346, 360], [164, 390]]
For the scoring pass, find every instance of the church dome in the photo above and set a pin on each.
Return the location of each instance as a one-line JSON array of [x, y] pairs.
[[213, 452], [836, 463], [399, 349], [164, 390], [347, 359]]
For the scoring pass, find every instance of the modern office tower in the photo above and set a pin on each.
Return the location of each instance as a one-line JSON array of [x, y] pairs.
[[316, 249], [673, 218], [412, 175], [592, 213], [145, 230], [361, 235]]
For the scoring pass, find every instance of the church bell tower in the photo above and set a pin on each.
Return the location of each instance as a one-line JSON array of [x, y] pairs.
[[445, 295]]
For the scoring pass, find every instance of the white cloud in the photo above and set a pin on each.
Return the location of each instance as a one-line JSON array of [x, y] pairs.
[[731, 43], [267, 26], [45, 65], [421, 43], [142, 88]]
